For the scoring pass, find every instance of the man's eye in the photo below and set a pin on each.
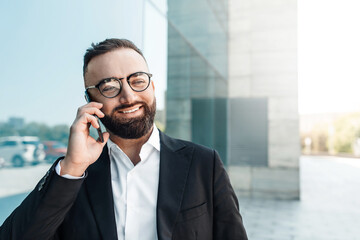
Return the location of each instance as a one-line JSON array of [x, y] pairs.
[[138, 82], [109, 88]]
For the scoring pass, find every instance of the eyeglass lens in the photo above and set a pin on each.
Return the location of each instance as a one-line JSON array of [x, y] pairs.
[[111, 87]]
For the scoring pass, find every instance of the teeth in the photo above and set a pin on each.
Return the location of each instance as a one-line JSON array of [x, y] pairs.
[[130, 111]]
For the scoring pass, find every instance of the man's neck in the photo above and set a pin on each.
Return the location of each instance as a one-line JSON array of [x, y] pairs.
[[131, 147]]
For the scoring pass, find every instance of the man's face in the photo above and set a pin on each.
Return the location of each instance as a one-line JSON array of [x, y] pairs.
[[131, 114]]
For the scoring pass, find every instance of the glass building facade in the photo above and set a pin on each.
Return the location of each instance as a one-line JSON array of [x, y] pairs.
[[196, 106]]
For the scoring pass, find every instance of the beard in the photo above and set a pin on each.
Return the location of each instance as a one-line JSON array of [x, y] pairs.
[[132, 128]]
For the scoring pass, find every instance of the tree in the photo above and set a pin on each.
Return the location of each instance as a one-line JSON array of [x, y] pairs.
[[347, 129], [44, 132]]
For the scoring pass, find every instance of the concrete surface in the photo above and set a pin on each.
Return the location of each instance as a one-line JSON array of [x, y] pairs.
[[329, 207]]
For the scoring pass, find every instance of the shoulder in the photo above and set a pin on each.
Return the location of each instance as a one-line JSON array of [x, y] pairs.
[[179, 143], [199, 151]]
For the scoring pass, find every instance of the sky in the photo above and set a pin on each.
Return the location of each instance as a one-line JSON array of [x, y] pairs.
[[329, 55], [42, 47], [43, 43]]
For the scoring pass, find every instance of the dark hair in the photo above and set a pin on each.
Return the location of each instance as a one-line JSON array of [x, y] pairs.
[[105, 46]]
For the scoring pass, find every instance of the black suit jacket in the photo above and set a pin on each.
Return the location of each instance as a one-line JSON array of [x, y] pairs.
[[195, 201]]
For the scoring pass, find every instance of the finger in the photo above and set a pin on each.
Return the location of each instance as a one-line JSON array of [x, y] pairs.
[[83, 122], [96, 111], [92, 111], [88, 118], [94, 104], [90, 105]]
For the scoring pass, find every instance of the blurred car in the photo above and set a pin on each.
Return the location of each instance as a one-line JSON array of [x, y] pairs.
[[19, 151], [54, 150]]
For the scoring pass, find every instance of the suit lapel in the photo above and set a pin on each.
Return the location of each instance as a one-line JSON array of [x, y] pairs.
[[175, 159], [98, 186]]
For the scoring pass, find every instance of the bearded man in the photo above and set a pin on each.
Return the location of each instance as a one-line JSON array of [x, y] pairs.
[[134, 182]]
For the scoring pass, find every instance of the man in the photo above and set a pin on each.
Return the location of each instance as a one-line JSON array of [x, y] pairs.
[[142, 184]]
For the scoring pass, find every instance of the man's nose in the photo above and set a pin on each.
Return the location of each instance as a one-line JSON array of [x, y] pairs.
[[127, 95]]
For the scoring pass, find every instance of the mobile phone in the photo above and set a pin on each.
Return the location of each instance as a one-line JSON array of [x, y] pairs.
[[101, 138]]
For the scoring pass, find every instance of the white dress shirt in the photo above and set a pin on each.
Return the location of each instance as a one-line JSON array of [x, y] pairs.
[[135, 189]]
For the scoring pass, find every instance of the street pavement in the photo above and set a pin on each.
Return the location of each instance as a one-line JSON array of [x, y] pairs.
[[15, 184], [329, 207]]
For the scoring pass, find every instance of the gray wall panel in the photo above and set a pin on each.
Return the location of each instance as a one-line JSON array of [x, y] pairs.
[[248, 131]]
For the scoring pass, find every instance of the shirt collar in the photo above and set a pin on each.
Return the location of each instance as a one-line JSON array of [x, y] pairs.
[[154, 140]]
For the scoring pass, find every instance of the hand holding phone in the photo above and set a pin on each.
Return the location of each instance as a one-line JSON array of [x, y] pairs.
[[100, 134], [83, 150]]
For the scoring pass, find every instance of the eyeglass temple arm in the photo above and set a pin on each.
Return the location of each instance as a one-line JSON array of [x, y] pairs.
[[90, 87]]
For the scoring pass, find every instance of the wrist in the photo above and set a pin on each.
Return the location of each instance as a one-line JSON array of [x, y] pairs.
[[73, 169]]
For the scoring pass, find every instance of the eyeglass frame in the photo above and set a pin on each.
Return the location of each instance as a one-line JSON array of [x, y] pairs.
[[119, 80]]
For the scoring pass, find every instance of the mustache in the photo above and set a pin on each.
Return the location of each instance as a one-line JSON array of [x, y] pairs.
[[122, 106]]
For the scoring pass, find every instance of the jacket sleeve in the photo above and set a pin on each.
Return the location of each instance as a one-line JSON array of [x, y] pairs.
[[43, 210], [227, 221]]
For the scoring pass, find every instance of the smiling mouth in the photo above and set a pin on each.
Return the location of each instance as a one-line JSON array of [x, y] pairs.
[[131, 110]]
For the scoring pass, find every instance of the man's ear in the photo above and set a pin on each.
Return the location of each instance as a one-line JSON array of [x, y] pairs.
[[153, 85]]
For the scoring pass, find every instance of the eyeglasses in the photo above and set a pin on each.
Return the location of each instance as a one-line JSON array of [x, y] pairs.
[[111, 87]]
